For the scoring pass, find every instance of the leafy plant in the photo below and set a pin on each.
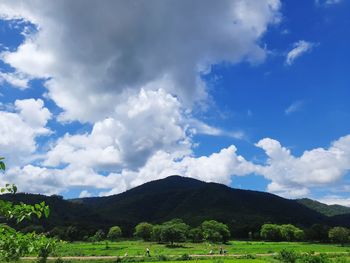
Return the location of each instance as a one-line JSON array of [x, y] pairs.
[[287, 256], [14, 244]]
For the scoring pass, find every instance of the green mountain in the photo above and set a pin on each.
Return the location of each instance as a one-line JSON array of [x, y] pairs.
[[177, 197], [328, 210]]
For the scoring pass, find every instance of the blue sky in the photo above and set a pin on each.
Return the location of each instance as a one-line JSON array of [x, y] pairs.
[[252, 94]]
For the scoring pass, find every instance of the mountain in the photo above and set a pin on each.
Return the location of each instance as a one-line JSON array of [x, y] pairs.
[[328, 210], [177, 197]]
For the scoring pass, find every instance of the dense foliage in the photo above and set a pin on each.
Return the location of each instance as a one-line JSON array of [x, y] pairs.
[[144, 231], [339, 235], [114, 233], [273, 232], [244, 212], [328, 210]]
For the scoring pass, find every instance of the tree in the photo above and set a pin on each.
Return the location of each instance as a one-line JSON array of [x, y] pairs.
[[339, 235], [174, 231], [144, 231], [114, 233], [71, 233], [291, 233], [215, 231], [14, 244], [156, 233], [271, 232], [196, 235], [317, 232], [99, 235]]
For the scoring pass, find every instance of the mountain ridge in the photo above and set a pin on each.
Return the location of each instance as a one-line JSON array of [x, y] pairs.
[[180, 197]]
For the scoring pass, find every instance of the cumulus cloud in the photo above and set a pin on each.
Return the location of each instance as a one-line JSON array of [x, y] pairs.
[[144, 124], [299, 48], [217, 167], [20, 129], [114, 47], [317, 167]]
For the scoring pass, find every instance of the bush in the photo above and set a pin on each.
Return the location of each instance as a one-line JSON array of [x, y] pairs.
[[288, 256], [309, 258], [185, 257], [162, 258]]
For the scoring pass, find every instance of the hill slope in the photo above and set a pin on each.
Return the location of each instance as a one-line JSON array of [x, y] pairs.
[[195, 201], [328, 210], [178, 197]]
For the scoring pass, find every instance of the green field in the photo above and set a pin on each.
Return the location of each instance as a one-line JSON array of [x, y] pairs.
[[237, 251], [138, 248]]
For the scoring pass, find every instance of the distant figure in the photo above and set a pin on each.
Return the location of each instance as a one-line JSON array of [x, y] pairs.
[[147, 252], [221, 251]]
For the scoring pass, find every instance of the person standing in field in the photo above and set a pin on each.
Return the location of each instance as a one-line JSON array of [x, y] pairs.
[[147, 252]]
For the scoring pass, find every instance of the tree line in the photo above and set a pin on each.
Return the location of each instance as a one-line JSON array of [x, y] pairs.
[[288, 232]]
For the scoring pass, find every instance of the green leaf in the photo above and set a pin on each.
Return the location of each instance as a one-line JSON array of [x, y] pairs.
[[2, 166]]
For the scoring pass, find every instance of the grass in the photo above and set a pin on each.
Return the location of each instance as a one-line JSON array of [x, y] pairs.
[[191, 261], [138, 248]]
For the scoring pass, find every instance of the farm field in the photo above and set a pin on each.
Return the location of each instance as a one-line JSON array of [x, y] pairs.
[[138, 248]]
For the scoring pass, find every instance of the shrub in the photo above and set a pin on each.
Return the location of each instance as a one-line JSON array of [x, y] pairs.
[[185, 257], [287, 256], [309, 258]]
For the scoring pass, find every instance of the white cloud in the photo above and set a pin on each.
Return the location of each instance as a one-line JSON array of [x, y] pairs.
[[20, 129], [140, 126], [294, 107], [327, 2], [299, 48], [84, 194], [292, 175], [217, 167], [18, 80], [335, 200], [93, 58]]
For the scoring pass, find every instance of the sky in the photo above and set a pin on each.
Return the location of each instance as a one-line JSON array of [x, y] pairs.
[[97, 97]]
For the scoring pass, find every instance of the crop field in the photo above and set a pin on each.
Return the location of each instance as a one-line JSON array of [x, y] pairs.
[[138, 248], [237, 251]]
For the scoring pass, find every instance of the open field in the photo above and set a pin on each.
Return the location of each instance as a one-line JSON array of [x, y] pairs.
[[340, 259], [237, 252], [138, 248]]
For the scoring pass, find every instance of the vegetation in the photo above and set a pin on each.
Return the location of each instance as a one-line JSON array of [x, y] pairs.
[[339, 235], [273, 232], [137, 248], [215, 231], [114, 233], [328, 210], [14, 244], [144, 231], [244, 212]]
